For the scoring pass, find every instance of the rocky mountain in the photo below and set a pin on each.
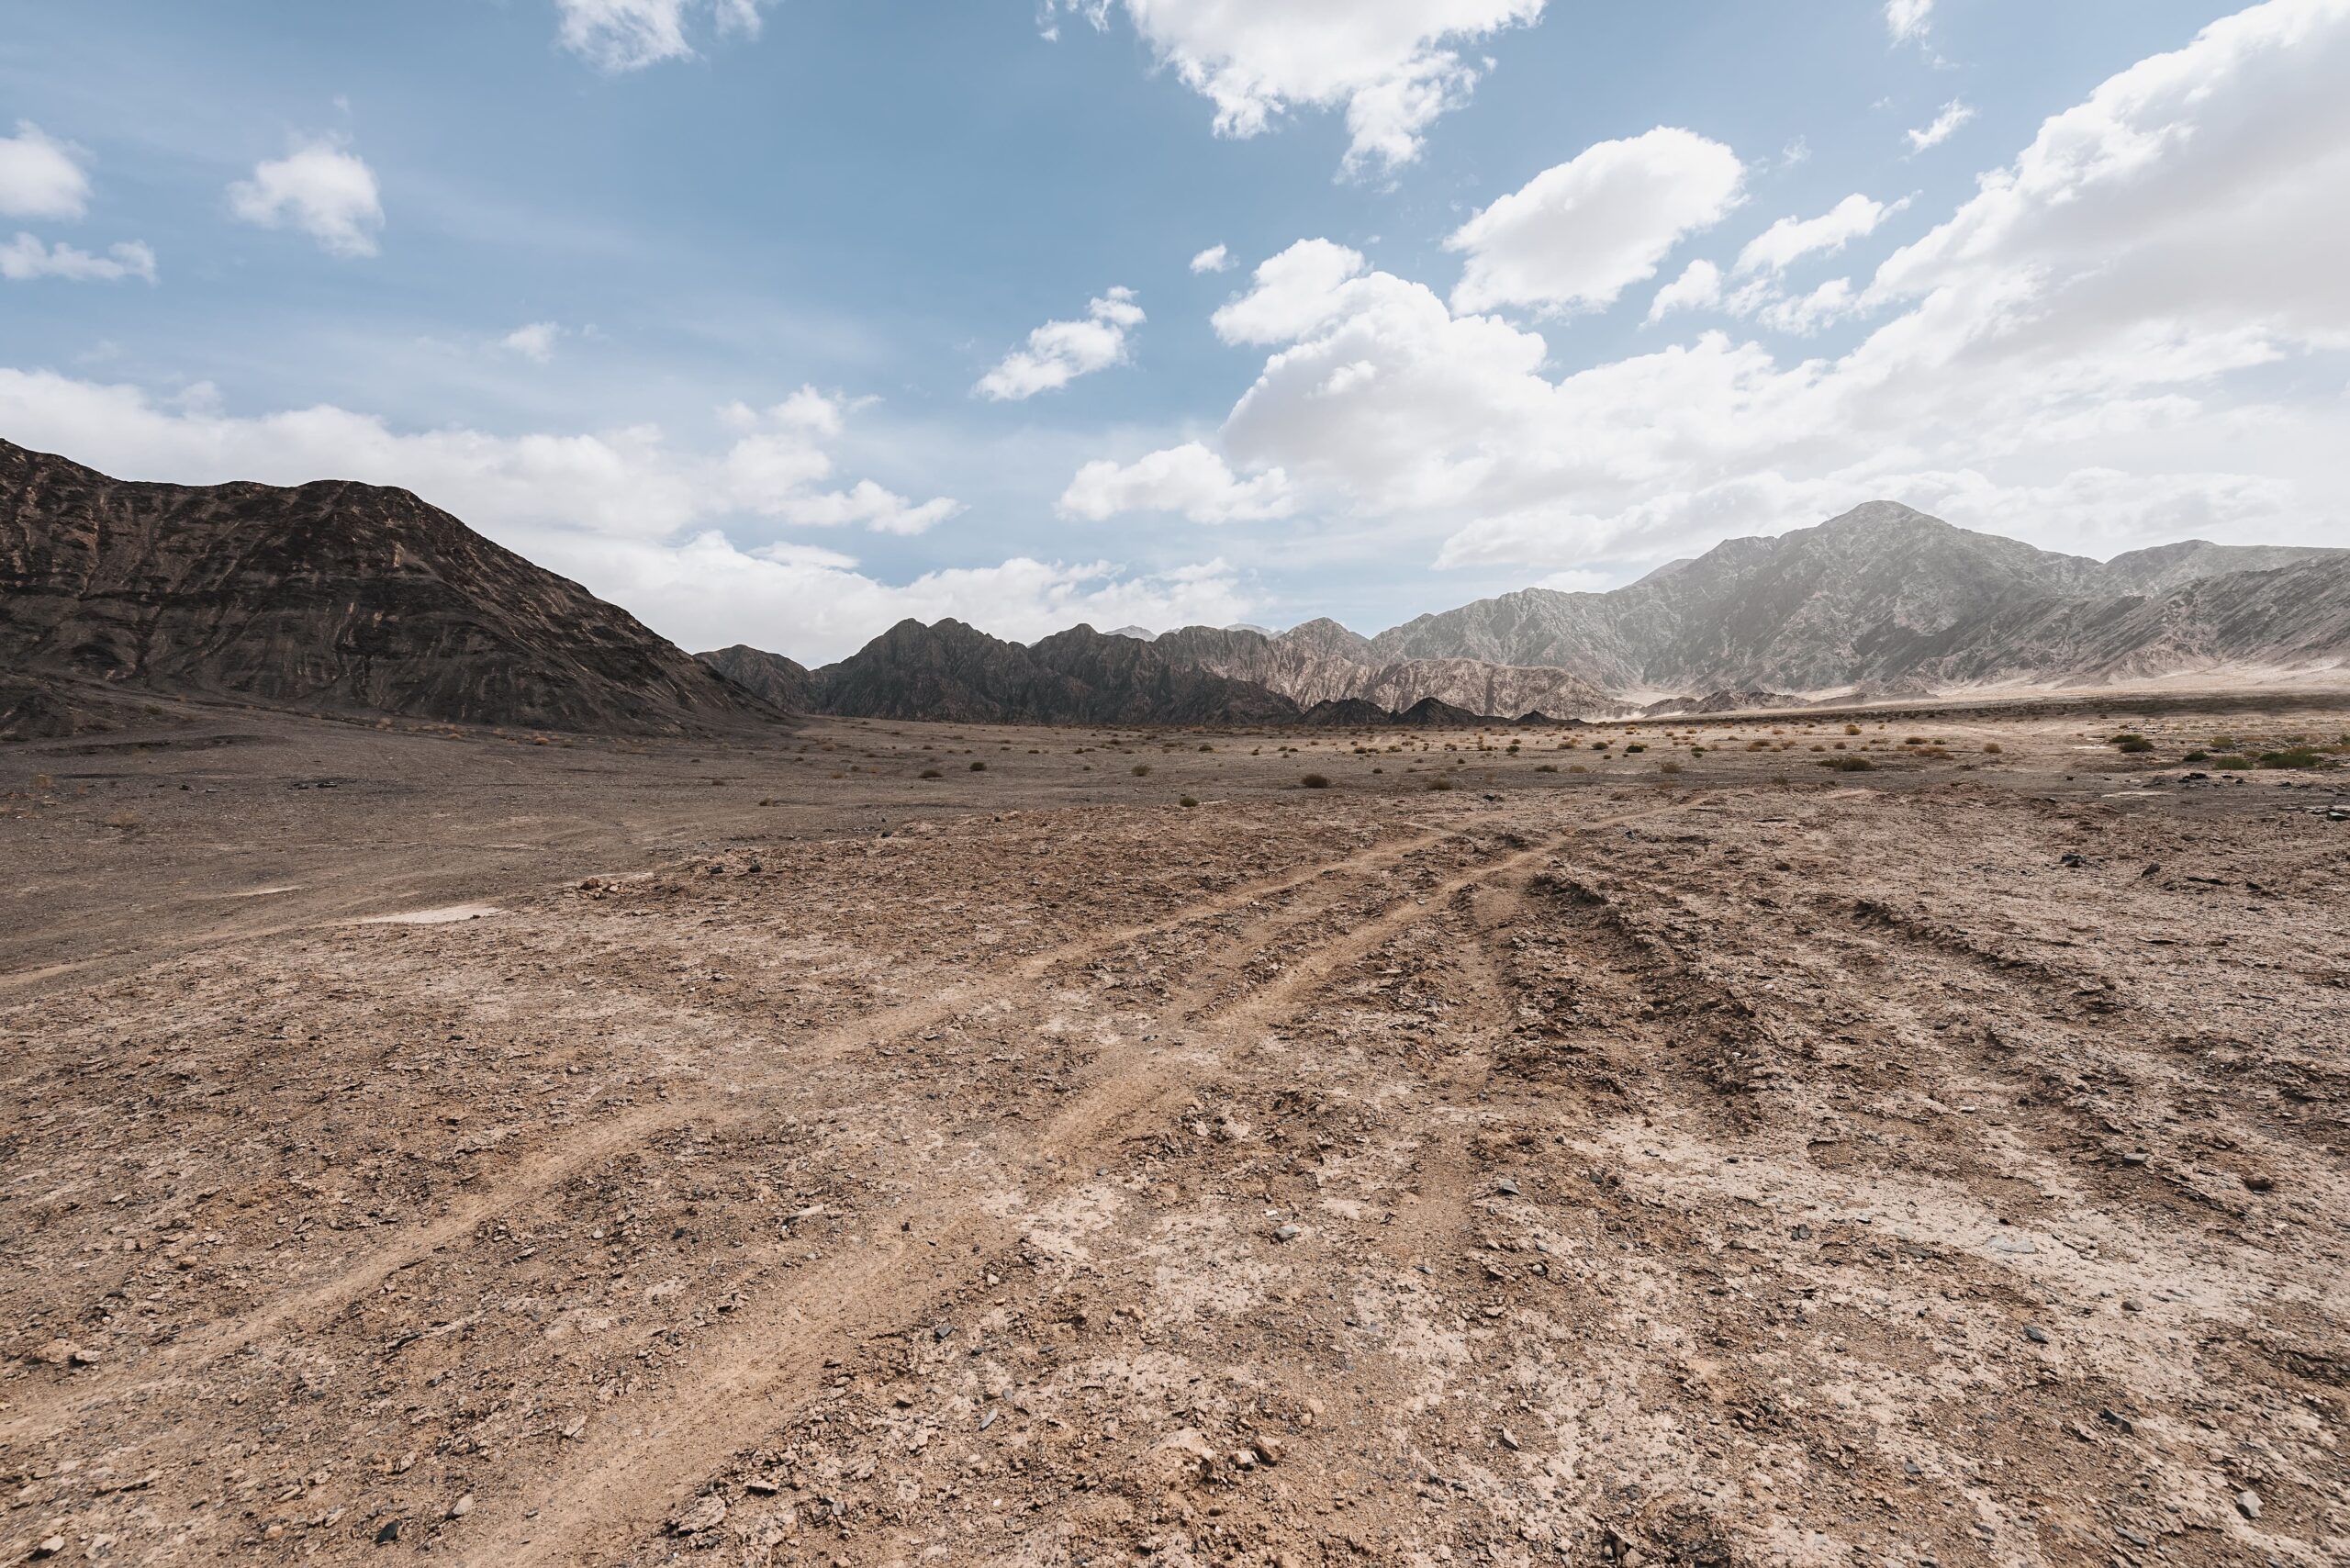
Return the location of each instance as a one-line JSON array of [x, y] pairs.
[[1880, 593], [774, 679], [1320, 662], [337, 596], [958, 673]]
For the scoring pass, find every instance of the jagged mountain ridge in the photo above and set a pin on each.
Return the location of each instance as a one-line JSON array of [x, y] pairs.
[[1322, 662], [334, 596], [954, 672], [1883, 592]]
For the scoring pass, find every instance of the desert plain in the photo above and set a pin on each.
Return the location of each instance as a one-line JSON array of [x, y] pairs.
[[893, 1143]]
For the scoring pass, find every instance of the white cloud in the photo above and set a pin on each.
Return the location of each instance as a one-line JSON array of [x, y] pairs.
[[322, 189], [1059, 351], [628, 34], [1698, 287], [621, 510], [1391, 64], [1906, 19], [1790, 239], [1955, 113], [2066, 356], [1581, 233], [1214, 259], [41, 177], [1806, 314], [1292, 294], [534, 342], [815, 607], [781, 455], [1188, 479], [24, 258]]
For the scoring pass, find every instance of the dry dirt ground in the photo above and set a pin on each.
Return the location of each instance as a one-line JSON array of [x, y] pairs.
[[747, 1154]]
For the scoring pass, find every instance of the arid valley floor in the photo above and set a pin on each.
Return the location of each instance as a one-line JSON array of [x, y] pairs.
[[762, 1153]]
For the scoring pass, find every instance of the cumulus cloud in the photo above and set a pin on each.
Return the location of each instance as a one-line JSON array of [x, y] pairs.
[[1945, 126], [534, 341], [1790, 239], [1188, 480], [626, 511], [781, 456], [629, 35], [24, 258], [1698, 287], [1906, 19], [1393, 66], [1214, 259], [1059, 351], [41, 177], [2065, 355], [1579, 233], [320, 188]]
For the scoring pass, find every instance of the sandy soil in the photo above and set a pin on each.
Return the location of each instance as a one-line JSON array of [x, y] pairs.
[[501, 1150]]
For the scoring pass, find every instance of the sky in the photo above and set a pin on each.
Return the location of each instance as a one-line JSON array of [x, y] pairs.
[[776, 322]]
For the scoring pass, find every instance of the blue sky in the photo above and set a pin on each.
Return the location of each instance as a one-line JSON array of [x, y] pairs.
[[718, 305]]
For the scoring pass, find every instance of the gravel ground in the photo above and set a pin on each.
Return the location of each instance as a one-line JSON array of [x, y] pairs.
[[522, 1150]]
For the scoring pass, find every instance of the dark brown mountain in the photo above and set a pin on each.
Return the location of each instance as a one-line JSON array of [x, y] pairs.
[[954, 672], [774, 679], [1881, 593], [332, 597]]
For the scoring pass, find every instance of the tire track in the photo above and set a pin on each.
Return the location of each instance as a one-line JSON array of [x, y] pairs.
[[771, 1357]]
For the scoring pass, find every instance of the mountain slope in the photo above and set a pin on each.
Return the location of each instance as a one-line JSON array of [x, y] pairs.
[[1322, 662], [1880, 593], [954, 672], [774, 679], [332, 596]]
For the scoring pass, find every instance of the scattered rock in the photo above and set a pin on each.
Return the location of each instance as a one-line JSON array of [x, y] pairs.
[[2248, 1504], [709, 1511], [461, 1506], [2036, 1334], [1288, 1232]]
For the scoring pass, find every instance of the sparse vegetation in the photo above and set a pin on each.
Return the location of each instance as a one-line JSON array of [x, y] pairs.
[[2295, 757]]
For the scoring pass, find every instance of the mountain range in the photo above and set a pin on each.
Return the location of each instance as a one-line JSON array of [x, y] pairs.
[[354, 599]]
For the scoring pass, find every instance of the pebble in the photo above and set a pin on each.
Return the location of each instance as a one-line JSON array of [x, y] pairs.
[[461, 1506], [1506, 1187], [2248, 1505], [1288, 1232], [2036, 1334]]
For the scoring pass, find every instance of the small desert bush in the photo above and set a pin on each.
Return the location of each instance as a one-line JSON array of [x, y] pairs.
[[979, 768], [1546, 767], [932, 773], [1668, 767], [1633, 747], [2296, 757], [1851, 729], [1314, 781], [2133, 744], [2231, 763], [1850, 763], [1187, 801], [1992, 747], [2197, 754], [1140, 770], [1439, 783]]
